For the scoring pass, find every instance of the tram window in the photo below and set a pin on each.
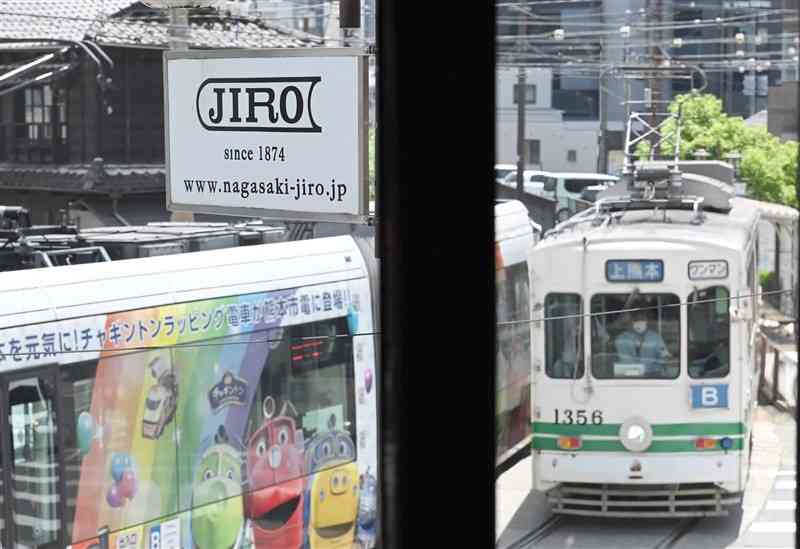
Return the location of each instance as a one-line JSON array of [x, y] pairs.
[[513, 340], [635, 336], [304, 403], [77, 382], [35, 475], [709, 333], [563, 336]]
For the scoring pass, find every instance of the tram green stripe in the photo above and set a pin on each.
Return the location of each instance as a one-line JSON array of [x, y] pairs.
[[658, 446], [607, 430], [662, 430]]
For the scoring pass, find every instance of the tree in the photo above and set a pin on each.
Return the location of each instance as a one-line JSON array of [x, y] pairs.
[[768, 165]]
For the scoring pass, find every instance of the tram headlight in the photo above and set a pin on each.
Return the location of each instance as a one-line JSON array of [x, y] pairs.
[[636, 434], [569, 443]]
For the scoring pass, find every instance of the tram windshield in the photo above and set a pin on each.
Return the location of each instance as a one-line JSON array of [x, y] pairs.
[[563, 336], [635, 336], [709, 333]]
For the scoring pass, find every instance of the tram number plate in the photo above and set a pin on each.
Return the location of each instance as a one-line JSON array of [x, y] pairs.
[[701, 270], [578, 417]]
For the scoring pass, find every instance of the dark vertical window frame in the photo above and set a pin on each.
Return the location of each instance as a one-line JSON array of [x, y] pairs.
[[419, 117]]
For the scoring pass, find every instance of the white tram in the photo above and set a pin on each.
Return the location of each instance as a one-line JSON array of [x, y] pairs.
[[643, 379]]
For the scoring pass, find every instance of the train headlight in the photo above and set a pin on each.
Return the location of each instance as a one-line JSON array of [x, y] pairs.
[[569, 443], [636, 434]]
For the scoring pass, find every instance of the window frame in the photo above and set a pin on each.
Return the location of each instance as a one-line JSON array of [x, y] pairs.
[[677, 355], [689, 305], [581, 367]]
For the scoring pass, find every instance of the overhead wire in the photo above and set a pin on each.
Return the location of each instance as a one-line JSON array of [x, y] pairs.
[[242, 339]]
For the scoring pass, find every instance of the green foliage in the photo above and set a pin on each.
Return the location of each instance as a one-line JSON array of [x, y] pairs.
[[764, 278], [768, 165]]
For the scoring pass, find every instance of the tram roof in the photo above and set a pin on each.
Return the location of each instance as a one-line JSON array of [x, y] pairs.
[[725, 230], [40, 295]]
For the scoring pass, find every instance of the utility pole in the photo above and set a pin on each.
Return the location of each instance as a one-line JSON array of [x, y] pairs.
[[179, 40], [602, 153], [655, 59], [521, 96]]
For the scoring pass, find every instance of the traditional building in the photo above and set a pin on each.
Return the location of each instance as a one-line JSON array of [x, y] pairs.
[[82, 107]]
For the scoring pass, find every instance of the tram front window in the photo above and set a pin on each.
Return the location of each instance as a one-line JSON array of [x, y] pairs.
[[635, 336], [709, 333], [563, 336]]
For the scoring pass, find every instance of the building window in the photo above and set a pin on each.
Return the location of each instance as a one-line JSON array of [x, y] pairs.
[[532, 150], [41, 124], [530, 93], [40, 114], [572, 155]]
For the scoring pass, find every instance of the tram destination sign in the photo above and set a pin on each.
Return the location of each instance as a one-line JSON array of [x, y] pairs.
[[635, 270], [277, 134]]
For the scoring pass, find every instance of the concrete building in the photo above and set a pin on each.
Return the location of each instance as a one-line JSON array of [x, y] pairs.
[[585, 106], [551, 142]]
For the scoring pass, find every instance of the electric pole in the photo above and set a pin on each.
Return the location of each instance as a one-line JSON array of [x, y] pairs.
[[654, 85], [521, 96], [178, 30]]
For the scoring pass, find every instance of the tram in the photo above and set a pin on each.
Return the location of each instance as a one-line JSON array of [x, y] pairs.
[[209, 400], [644, 333], [515, 235]]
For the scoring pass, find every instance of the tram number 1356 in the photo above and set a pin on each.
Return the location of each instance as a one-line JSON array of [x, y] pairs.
[[579, 417]]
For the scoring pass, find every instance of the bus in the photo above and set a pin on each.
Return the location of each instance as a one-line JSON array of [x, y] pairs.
[[219, 399]]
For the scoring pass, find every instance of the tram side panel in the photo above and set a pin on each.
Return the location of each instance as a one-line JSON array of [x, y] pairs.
[[689, 414], [238, 426], [512, 364]]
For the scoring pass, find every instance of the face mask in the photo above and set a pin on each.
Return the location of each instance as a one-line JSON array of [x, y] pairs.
[[640, 326]]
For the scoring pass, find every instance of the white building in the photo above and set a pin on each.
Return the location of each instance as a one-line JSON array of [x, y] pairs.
[[552, 144]]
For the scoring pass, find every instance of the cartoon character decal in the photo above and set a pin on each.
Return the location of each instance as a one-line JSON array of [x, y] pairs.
[[332, 496], [217, 518], [161, 401], [367, 508], [275, 470]]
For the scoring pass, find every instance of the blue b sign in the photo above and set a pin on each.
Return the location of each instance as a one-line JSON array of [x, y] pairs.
[[709, 396], [635, 270]]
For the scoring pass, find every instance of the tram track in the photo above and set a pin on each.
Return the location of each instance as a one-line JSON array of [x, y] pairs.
[[677, 533], [558, 523]]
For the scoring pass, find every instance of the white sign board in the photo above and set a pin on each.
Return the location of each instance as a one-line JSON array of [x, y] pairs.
[[276, 134]]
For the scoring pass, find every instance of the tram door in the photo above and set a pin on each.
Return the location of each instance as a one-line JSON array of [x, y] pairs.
[[30, 462]]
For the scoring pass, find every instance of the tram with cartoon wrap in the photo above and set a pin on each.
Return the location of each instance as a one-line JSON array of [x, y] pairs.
[[644, 331], [211, 400], [515, 235]]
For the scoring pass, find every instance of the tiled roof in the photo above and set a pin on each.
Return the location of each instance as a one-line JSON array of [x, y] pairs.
[[83, 178], [101, 20], [60, 19], [208, 34]]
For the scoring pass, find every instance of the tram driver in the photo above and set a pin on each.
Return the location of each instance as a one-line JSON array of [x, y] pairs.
[[638, 344]]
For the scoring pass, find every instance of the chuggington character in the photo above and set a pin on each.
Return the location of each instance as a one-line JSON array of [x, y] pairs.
[[161, 401], [332, 496], [216, 511], [274, 503]]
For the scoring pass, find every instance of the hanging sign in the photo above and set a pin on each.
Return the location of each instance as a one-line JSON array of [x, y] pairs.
[[277, 134]]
